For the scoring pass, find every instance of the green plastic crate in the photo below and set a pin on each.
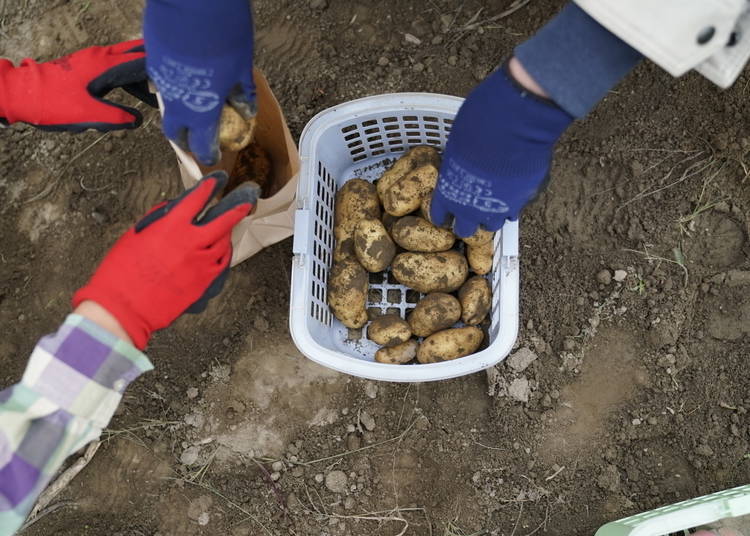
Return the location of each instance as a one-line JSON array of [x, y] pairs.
[[677, 518]]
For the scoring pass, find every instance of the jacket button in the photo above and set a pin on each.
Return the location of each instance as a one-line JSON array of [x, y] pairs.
[[706, 34]]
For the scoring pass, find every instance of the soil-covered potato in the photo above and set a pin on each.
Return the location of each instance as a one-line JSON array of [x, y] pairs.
[[347, 293], [416, 157], [235, 133], [373, 246], [399, 354], [406, 194], [482, 236], [480, 257], [431, 272], [417, 234], [356, 200], [388, 221], [450, 344], [389, 330], [435, 312], [476, 299]]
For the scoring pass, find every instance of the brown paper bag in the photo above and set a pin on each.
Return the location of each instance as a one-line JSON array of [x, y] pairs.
[[273, 219]]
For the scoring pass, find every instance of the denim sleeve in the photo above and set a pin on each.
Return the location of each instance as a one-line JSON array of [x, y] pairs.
[[576, 60]]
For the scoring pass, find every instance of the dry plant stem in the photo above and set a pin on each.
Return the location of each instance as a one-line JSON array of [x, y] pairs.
[[62, 481], [349, 453]]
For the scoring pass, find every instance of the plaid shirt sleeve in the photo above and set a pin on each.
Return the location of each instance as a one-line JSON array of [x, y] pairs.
[[72, 385]]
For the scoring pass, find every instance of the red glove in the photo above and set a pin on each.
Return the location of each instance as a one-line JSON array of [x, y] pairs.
[[173, 261], [67, 93]]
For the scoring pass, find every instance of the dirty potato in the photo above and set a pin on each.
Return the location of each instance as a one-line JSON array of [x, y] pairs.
[[435, 312], [373, 246], [389, 330], [417, 234], [480, 257], [476, 299], [406, 194], [450, 344], [388, 221], [480, 237], [399, 354], [235, 133], [414, 158], [347, 293], [356, 200], [431, 272]]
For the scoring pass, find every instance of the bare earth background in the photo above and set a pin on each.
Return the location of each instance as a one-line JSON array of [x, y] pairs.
[[638, 396]]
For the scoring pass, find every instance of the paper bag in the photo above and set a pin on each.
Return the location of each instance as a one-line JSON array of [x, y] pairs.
[[273, 218]]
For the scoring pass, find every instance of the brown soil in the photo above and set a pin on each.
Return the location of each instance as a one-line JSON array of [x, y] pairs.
[[639, 395]]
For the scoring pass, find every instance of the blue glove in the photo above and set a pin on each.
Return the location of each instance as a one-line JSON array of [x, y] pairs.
[[200, 55], [498, 155]]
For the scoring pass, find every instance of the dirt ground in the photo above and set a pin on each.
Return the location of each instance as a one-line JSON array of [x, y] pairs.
[[638, 395]]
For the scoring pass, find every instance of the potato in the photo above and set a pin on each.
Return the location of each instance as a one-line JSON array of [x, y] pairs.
[[480, 237], [480, 257], [407, 193], [476, 299], [414, 158], [357, 199], [373, 246], [399, 354], [347, 293], [450, 344], [389, 330], [388, 221], [235, 133], [417, 234], [434, 312], [431, 272]]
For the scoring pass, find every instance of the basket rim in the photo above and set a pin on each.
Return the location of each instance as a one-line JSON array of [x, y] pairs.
[[350, 110]]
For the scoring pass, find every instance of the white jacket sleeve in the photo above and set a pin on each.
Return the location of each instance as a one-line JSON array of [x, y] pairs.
[[711, 36]]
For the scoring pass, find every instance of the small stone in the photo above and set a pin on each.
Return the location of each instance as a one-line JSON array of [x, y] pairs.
[[318, 4], [371, 390], [636, 422], [418, 67], [192, 392], [108, 146], [275, 476], [349, 503], [569, 344], [298, 472], [413, 39], [383, 61], [438, 39], [350, 428], [277, 466], [476, 477], [452, 60], [190, 455], [261, 324], [609, 479], [336, 481], [519, 389], [345, 411], [521, 359], [319, 478], [704, 450], [367, 421], [604, 277], [652, 421], [353, 442], [99, 218], [620, 275], [119, 134], [203, 519]]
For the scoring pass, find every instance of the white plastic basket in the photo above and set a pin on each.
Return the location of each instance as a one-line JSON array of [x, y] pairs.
[[678, 518], [359, 139]]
